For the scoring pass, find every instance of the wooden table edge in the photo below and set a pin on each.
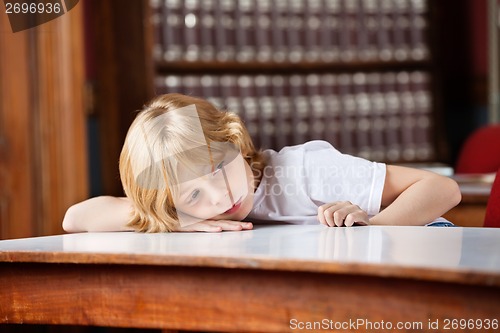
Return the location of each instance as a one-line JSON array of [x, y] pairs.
[[436, 274]]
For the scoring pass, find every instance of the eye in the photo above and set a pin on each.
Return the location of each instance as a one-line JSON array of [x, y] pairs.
[[194, 195], [218, 167]]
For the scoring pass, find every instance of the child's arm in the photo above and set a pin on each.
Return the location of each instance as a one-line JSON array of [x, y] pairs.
[[411, 197], [103, 213], [415, 197], [107, 213]]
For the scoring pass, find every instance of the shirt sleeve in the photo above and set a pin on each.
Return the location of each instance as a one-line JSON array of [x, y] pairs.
[[332, 176]]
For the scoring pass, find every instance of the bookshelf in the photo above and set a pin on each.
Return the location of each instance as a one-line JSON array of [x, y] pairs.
[[357, 73], [362, 74]]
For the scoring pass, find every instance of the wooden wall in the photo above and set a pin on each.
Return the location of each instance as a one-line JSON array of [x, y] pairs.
[[119, 56], [43, 166]]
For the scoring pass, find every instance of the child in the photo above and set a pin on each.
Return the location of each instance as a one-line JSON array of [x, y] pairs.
[[186, 166]]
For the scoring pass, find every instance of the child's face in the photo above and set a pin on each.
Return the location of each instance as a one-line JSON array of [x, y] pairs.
[[223, 193]]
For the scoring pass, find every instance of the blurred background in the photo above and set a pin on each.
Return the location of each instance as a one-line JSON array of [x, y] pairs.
[[398, 81]]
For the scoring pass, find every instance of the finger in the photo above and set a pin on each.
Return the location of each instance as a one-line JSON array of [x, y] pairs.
[[330, 212], [339, 217], [349, 220], [211, 228], [247, 225], [232, 225], [328, 216], [244, 225], [361, 223], [356, 217], [321, 214], [225, 225], [334, 213], [350, 213], [341, 214], [202, 227]]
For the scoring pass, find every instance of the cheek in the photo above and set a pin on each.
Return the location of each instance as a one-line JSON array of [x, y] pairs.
[[237, 182], [247, 207], [237, 174], [200, 211]]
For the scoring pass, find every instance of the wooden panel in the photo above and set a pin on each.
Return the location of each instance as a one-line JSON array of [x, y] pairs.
[[16, 150], [43, 166], [226, 299], [467, 215], [60, 121], [124, 74], [23, 328], [470, 212]]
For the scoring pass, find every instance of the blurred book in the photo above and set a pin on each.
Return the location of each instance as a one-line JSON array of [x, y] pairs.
[[379, 116], [290, 31]]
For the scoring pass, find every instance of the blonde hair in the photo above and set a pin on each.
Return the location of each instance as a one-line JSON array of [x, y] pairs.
[[145, 166]]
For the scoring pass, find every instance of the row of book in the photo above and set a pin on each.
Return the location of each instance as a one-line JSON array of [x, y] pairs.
[[379, 116], [290, 30]]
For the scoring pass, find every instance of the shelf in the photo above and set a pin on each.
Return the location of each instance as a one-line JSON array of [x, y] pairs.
[[187, 67]]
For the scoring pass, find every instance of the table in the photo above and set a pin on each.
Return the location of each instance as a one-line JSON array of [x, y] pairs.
[[275, 278]]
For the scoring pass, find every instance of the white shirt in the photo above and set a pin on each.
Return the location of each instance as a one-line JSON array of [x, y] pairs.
[[298, 179]]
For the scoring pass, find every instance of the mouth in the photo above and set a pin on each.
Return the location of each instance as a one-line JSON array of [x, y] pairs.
[[235, 207]]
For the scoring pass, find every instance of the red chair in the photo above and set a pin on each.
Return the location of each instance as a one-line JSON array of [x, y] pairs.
[[481, 151], [492, 218]]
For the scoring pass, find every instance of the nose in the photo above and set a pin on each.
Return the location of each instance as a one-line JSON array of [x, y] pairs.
[[219, 196], [220, 192]]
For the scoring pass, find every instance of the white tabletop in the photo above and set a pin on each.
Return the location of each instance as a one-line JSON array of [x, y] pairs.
[[383, 250]]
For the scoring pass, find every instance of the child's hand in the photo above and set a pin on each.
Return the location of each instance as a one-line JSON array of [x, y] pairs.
[[342, 213], [217, 226]]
